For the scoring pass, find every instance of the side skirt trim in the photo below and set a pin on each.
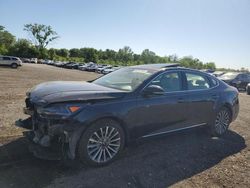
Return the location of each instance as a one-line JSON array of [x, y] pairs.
[[189, 127]]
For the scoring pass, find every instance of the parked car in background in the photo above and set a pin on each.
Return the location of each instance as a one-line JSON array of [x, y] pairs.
[[86, 66], [33, 60], [109, 70], [236, 79], [92, 67], [207, 70], [93, 121], [218, 73], [25, 60], [71, 65], [83, 67], [40, 61], [47, 61], [248, 89], [11, 61], [59, 64], [102, 68]]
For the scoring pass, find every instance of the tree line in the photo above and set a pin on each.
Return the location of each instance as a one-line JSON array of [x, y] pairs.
[[41, 36]]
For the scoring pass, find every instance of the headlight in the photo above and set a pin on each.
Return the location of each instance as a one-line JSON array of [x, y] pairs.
[[59, 109]]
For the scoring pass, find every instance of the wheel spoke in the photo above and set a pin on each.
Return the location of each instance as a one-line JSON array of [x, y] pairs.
[[100, 155], [112, 130], [104, 155], [101, 133], [93, 150], [94, 157], [116, 133], [116, 145], [106, 131], [114, 140], [96, 134], [110, 156], [94, 140], [93, 145], [110, 148]]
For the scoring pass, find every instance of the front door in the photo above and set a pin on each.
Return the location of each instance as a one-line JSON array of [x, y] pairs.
[[161, 113]]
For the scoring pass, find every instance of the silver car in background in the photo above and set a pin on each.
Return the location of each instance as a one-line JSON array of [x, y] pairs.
[[11, 61]]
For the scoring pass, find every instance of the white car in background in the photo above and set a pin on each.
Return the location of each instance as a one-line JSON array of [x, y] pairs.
[[33, 60], [11, 61], [109, 70]]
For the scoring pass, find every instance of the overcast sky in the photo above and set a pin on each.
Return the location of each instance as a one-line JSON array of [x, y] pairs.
[[210, 30]]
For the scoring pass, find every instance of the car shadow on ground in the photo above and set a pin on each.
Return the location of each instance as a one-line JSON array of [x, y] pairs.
[[155, 162]]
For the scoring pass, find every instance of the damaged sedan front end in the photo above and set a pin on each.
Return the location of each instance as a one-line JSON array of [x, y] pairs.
[[53, 128], [50, 127]]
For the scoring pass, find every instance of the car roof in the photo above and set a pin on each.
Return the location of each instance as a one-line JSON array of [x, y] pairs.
[[159, 66]]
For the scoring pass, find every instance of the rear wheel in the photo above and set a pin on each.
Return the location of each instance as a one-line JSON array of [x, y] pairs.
[[222, 122], [101, 143], [14, 65]]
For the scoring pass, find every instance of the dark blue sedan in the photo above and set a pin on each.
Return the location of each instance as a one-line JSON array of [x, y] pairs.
[[95, 120]]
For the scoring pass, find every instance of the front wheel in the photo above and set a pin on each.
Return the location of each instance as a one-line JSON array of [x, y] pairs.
[[101, 143], [14, 65], [222, 122]]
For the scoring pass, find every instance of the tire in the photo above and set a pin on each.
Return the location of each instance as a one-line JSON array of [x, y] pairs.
[[101, 143], [248, 91], [221, 123], [14, 65]]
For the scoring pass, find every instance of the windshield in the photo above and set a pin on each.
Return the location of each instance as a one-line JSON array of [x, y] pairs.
[[229, 76], [127, 79]]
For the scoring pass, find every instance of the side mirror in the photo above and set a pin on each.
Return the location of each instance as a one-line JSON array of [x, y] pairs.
[[153, 90]]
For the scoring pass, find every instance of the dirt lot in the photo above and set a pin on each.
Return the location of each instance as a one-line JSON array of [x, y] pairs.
[[185, 159]]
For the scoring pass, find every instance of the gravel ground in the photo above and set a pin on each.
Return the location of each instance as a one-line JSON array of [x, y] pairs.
[[184, 159]]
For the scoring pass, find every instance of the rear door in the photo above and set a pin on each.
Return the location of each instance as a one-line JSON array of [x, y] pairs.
[[202, 97]]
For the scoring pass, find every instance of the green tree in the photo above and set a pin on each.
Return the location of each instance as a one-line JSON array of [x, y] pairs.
[[52, 53], [189, 61], [74, 52], [210, 65], [125, 55], [63, 52], [23, 48], [148, 57], [6, 40], [41, 36], [89, 54]]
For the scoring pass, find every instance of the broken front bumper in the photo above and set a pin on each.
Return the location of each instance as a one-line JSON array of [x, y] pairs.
[[50, 136], [47, 153], [49, 144]]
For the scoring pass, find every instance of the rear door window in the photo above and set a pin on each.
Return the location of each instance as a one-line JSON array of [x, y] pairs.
[[6, 58], [196, 81]]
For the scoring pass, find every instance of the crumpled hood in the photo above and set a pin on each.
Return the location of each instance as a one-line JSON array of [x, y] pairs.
[[63, 91]]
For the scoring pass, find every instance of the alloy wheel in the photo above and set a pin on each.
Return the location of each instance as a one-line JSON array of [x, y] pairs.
[[222, 121], [104, 144]]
